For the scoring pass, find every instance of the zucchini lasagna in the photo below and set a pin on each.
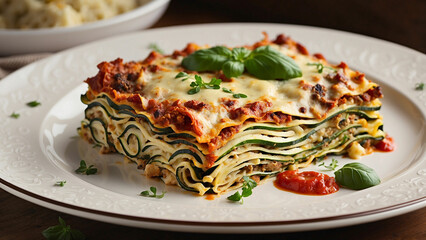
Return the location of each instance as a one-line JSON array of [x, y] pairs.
[[204, 130]]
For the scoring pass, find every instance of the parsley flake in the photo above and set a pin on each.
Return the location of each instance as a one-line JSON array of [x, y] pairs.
[[239, 95], [62, 232], [247, 188], [15, 115], [227, 90], [153, 193], [83, 169], [33, 104], [60, 183], [420, 86], [235, 95]]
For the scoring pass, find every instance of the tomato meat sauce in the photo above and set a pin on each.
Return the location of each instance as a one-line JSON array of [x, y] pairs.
[[308, 182], [386, 145]]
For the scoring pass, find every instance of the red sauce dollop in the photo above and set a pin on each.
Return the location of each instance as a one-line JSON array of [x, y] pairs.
[[385, 145], [308, 182]]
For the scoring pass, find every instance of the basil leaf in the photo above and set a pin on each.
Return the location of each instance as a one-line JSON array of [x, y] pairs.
[[240, 54], [233, 68], [210, 59], [267, 63], [356, 176]]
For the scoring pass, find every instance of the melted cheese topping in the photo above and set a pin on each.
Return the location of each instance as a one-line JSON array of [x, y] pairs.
[[311, 96], [286, 96]]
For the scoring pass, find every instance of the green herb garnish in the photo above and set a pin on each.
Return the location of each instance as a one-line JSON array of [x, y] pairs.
[[153, 193], [420, 86], [183, 75], [264, 62], [332, 166], [60, 183], [247, 188], [356, 176], [33, 104], [235, 95], [154, 47], [320, 66], [62, 232], [239, 95], [198, 84], [83, 169], [15, 115], [227, 90]]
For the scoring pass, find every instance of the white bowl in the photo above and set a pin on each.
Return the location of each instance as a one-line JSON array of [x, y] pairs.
[[55, 39]]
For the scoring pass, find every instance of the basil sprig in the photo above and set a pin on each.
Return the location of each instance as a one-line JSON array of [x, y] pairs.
[[247, 188], [83, 169], [153, 193], [264, 62], [356, 176], [198, 84], [62, 231], [332, 166]]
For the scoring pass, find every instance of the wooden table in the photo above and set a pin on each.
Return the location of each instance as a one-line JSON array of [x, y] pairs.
[[20, 219]]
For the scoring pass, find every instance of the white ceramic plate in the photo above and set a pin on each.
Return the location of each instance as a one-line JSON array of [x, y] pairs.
[[39, 148], [54, 39]]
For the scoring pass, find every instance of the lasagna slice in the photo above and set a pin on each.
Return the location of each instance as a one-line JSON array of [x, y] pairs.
[[207, 140]]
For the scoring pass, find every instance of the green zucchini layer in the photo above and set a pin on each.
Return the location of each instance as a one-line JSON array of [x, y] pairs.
[[256, 145]]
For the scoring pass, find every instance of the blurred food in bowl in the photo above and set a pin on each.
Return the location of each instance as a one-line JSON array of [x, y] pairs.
[[27, 14], [36, 40]]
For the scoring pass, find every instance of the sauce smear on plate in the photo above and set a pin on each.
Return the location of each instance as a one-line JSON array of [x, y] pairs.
[[386, 145], [308, 182]]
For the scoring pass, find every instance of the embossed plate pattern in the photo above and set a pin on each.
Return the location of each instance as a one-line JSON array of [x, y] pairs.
[[39, 148]]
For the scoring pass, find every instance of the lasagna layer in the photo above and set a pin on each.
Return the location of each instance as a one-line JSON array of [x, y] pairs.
[[206, 142]]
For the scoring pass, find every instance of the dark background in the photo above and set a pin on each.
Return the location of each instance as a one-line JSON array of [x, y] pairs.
[[402, 22]]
